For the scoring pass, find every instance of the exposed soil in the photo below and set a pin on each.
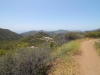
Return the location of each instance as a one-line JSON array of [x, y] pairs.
[[89, 60]]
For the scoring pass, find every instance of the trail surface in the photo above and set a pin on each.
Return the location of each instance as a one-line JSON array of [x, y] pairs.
[[89, 60]]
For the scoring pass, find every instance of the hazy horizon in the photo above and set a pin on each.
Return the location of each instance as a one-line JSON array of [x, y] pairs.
[[26, 15], [53, 30], [19, 32]]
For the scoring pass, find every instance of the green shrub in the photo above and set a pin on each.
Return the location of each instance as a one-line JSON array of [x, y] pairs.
[[65, 38], [2, 52], [71, 48], [93, 35], [97, 45], [25, 62], [12, 45], [74, 35]]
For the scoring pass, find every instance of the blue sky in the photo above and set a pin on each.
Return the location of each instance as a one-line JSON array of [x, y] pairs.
[[26, 15]]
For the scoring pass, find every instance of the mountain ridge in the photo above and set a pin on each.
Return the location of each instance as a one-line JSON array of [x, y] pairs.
[[25, 34], [6, 34]]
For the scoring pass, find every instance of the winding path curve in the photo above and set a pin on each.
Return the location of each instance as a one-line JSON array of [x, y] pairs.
[[89, 60]]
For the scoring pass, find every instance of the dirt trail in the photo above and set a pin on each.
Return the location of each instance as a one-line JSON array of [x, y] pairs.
[[89, 60]]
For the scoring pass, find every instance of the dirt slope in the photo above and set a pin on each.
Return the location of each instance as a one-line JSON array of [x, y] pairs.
[[89, 61]]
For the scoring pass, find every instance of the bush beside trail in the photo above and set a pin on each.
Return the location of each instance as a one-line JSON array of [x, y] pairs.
[[93, 35], [25, 62], [64, 63], [97, 46]]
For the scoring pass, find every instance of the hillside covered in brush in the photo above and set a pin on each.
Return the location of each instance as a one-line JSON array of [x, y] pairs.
[[38, 38], [6, 34]]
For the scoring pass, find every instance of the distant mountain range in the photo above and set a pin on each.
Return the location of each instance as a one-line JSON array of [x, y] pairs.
[[97, 30], [48, 32], [6, 34]]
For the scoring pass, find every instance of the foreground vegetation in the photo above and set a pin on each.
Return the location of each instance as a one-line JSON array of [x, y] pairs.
[[64, 63], [97, 46], [53, 56], [93, 35], [38, 61], [25, 62]]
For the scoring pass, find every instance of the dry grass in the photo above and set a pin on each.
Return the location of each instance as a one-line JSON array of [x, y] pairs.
[[64, 66], [97, 46], [64, 63]]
